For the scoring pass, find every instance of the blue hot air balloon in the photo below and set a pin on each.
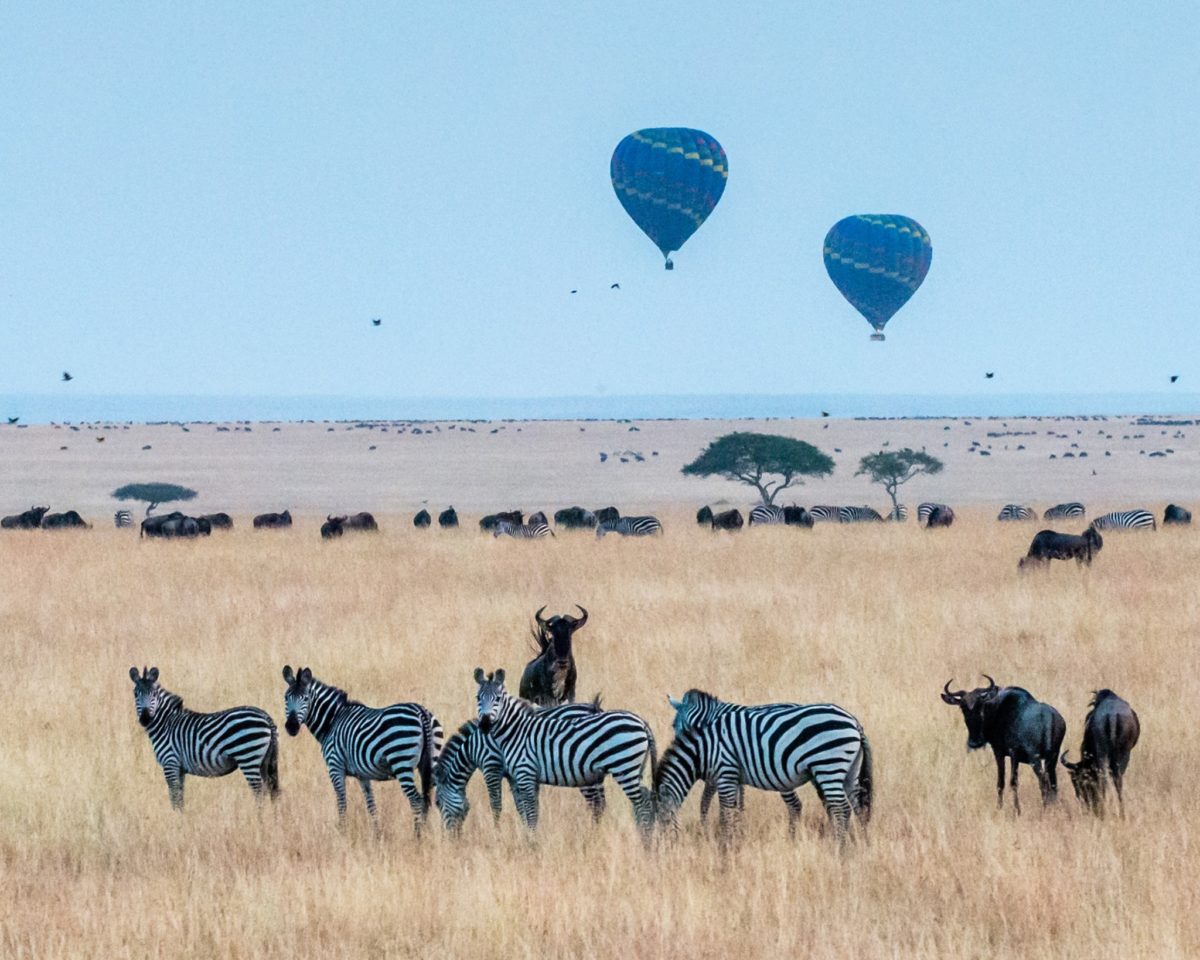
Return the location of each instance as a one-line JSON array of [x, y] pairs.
[[877, 261], [669, 180]]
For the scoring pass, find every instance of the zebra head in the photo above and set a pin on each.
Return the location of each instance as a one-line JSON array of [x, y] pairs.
[[491, 697], [297, 698], [147, 694]]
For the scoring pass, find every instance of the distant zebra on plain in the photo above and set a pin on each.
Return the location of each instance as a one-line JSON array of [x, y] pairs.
[[858, 515], [898, 513], [1126, 520], [630, 527], [122, 519], [1014, 511], [534, 529], [366, 743], [205, 744], [825, 513], [1065, 511], [925, 509], [766, 513]]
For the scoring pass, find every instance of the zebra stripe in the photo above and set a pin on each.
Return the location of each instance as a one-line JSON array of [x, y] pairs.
[[363, 742], [766, 514], [1126, 520], [205, 744], [1064, 511], [899, 513], [858, 515], [776, 748], [523, 531], [825, 513], [544, 747], [925, 509], [122, 518], [1014, 511], [630, 527]]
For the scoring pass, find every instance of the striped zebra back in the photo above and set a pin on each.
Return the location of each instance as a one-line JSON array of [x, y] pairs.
[[825, 513], [631, 527], [122, 519], [522, 531], [1014, 511], [858, 515], [899, 513], [766, 514], [1126, 520], [1064, 511]]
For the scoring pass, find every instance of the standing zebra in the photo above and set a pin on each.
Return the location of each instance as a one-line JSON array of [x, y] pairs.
[[630, 527], [205, 744], [766, 513], [122, 519], [545, 747], [470, 749], [825, 513], [925, 509], [535, 529], [899, 513], [858, 515], [363, 742], [1126, 520], [1064, 511], [1014, 511], [777, 748]]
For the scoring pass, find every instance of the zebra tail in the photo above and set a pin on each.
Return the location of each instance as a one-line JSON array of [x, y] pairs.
[[271, 763], [864, 789], [653, 794], [430, 749]]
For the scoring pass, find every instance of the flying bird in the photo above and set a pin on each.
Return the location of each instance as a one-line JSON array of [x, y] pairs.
[[376, 321], [574, 291], [615, 286], [989, 375], [99, 439], [824, 413], [66, 376], [1174, 377], [13, 419]]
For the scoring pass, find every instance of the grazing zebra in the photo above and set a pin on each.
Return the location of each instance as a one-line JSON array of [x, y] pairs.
[[1014, 511], [1064, 511], [766, 513], [535, 529], [899, 513], [205, 744], [858, 515], [777, 748], [122, 518], [363, 742], [630, 527], [545, 747], [825, 513], [470, 749], [925, 509], [1126, 520]]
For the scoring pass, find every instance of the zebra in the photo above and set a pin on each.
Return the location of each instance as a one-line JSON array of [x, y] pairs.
[[858, 515], [470, 749], [899, 513], [766, 513], [697, 709], [630, 527], [543, 747], [925, 509], [205, 744], [122, 519], [1126, 520], [535, 529], [825, 513], [1014, 511], [778, 748], [363, 742], [1064, 511]]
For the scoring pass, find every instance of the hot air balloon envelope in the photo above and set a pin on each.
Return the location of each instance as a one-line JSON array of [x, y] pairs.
[[877, 261], [669, 180]]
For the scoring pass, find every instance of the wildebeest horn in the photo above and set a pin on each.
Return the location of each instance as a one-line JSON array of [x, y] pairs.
[[1066, 763], [951, 696], [538, 616], [581, 620], [991, 683]]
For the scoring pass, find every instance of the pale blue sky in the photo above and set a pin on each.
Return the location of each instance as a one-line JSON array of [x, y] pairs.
[[216, 198]]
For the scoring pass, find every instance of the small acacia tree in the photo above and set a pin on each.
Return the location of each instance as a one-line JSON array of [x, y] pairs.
[[894, 468], [154, 493], [763, 461]]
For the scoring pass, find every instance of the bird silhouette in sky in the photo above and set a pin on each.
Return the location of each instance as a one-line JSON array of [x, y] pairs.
[[574, 291], [1174, 377], [99, 439], [376, 321], [989, 375], [13, 419], [824, 413], [67, 377], [615, 286]]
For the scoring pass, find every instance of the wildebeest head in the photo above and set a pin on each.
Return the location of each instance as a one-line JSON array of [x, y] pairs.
[[972, 703], [1085, 778], [1092, 535], [296, 698], [147, 694], [490, 697], [553, 636], [332, 527]]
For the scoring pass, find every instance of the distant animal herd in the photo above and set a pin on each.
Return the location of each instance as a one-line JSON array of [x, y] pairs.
[[542, 737]]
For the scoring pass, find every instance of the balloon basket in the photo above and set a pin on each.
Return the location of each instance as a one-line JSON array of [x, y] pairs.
[[878, 335], [668, 265]]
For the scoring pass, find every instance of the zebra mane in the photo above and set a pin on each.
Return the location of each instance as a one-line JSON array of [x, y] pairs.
[[676, 749], [702, 695], [455, 744], [341, 696], [171, 701]]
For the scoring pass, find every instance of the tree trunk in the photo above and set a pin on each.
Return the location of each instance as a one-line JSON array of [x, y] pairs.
[[150, 506]]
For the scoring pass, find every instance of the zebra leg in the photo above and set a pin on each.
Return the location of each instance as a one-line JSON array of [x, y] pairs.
[[525, 796], [408, 784], [253, 772], [368, 795], [630, 782], [728, 791], [792, 802], [337, 777], [594, 795], [837, 806], [174, 777], [706, 800]]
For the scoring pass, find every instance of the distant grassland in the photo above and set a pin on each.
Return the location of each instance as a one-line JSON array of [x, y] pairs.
[[94, 863]]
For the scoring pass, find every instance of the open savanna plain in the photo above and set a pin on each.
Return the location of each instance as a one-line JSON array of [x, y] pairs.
[[95, 864]]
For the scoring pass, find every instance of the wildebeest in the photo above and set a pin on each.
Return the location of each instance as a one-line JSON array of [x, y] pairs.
[[1014, 725], [170, 525], [728, 520], [1176, 516], [218, 521], [31, 519], [332, 527], [940, 516], [273, 519], [549, 678], [422, 520], [1110, 732], [607, 515], [492, 520], [204, 526], [336, 526], [575, 518], [795, 516], [704, 516], [63, 521], [1048, 545], [447, 518]]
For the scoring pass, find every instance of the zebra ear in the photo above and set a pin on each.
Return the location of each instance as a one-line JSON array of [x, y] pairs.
[[498, 676], [677, 704], [288, 675], [133, 674], [305, 675], [152, 676], [479, 675]]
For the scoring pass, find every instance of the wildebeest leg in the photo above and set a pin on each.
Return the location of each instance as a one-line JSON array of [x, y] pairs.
[[1000, 777], [594, 795], [1013, 784], [1039, 771], [792, 802], [174, 777], [1051, 768], [1118, 776], [408, 784], [368, 795]]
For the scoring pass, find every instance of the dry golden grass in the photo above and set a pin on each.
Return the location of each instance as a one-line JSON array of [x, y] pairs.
[[94, 863]]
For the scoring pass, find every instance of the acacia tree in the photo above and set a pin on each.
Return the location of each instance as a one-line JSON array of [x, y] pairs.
[[766, 462], [154, 493], [894, 468]]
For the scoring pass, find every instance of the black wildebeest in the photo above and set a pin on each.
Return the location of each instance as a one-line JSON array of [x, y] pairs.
[[204, 525], [1176, 516], [607, 515], [728, 520], [940, 516], [1110, 732], [218, 521], [332, 527], [273, 520], [447, 518], [1048, 545], [575, 518], [336, 526], [170, 525], [31, 519], [796, 516], [549, 678], [492, 520], [704, 516], [64, 521], [1014, 725], [422, 520]]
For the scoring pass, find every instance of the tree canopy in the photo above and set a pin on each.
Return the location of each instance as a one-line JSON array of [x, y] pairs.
[[154, 493], [764, 461], [894, 468]]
